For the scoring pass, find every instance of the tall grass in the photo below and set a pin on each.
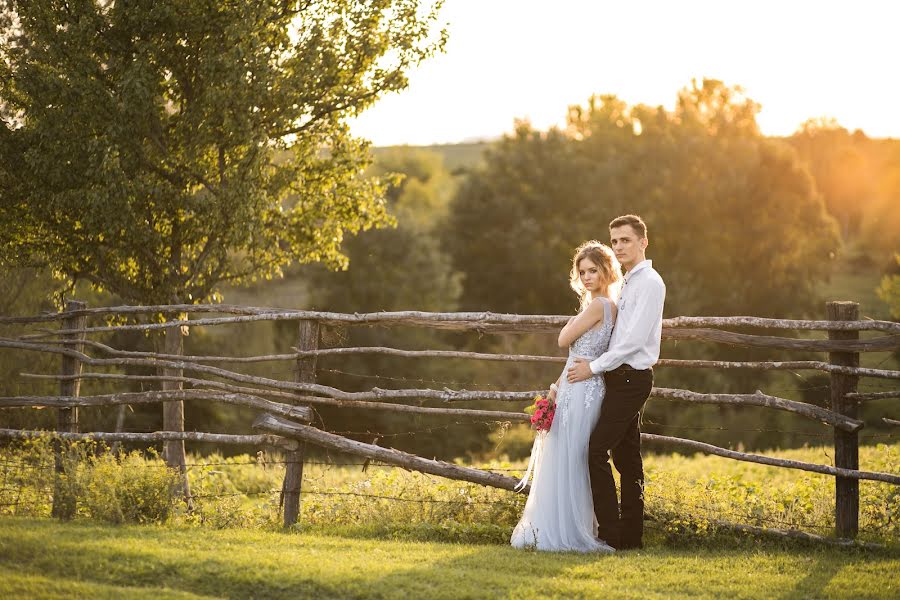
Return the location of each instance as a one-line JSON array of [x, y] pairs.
[[685, 495]]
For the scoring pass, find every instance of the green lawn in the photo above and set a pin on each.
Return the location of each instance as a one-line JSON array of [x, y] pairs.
[[41, 558]]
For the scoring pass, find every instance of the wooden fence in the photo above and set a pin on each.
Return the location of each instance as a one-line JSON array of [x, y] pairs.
[[285, 410]]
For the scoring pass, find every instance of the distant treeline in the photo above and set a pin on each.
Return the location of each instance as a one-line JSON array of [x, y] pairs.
[[739, 224]]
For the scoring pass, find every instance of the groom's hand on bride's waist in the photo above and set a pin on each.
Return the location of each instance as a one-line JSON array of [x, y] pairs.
[[579, 371]]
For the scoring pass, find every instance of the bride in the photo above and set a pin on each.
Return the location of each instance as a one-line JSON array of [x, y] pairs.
[[559, 512]]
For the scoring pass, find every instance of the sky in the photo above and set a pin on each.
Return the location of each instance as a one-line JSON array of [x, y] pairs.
[[531, 59]]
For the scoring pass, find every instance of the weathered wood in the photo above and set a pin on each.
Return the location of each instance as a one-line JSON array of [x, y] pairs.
[[389, 455], [375, 394], [155, 437], [120, 427], [880, 344], [307, 339], [766, 323], [436, 354], [173, 411], [890, 421], [846, 443], [20, 401], [858, 397], [400, 317], [109, 350], [811, 411], [302, 413], [448, 395], [702, 364], [519, 324], [792, 365], [484, 321], [854, 474], [67, 418]]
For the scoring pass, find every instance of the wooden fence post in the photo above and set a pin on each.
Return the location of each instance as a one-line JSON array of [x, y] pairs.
[[293, 473], [67, 418], [846, 444], [173, 412]]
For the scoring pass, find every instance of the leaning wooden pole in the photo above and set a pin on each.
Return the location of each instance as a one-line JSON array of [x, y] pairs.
[[308, 339], [173, 412], [67, 418], [846, 443], [331, 441]]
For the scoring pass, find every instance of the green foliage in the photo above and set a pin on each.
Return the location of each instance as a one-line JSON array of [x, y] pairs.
[[889, 291], [686, 496], [404, 268], [841, 167], [158, 149], [735, 224], [129, 488]]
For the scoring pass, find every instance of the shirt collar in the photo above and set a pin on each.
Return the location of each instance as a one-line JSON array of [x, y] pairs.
[[644, 264]]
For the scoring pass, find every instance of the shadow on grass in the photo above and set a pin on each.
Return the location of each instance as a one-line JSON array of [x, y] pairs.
[[241, 563]]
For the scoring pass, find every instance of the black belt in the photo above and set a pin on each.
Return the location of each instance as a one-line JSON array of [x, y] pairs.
[[629, 369]]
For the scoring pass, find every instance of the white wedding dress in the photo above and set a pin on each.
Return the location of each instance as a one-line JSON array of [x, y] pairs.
[[559, 512]]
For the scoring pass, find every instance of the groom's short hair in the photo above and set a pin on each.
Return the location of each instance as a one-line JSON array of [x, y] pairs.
[[635, 221]]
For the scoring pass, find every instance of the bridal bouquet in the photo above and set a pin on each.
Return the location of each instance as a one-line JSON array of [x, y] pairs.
[[541, 412]]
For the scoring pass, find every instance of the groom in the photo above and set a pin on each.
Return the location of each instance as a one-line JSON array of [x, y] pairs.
[[627, 367]]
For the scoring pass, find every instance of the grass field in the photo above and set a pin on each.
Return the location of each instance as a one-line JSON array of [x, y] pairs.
[[444, 539], [47, 559]]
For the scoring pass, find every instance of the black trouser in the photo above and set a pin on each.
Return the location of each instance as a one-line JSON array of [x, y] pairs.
[[618, 431]]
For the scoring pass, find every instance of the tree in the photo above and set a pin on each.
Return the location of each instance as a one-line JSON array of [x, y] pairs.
[[404, 268], [160, 148], [735, 221], [839, 162], [889, 290]]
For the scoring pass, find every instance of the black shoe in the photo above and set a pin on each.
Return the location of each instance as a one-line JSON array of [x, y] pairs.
[[629, 545]]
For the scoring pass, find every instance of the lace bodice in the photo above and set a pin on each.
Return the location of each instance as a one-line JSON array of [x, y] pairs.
[[594, 342]]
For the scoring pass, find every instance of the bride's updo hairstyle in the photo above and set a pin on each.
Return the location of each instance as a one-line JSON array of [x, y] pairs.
[[601, 255]]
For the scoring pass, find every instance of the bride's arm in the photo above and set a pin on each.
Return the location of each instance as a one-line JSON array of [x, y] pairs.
[[583, 321], [554, 388]]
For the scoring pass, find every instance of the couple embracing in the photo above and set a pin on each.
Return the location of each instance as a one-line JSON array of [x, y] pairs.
[[613, 343]]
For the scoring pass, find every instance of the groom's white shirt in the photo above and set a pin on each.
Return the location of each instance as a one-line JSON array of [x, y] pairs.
[[638, 330]]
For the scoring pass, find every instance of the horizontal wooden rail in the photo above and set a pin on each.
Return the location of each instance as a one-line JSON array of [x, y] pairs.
[[788, 365], [431, 318], [338, 443], [859, 396], [879, 344], [156, 436], [303, 413], [448, 395], [295, 431], [810, 411], [238, 395], [662, 363], [768, 460], [434, 354]]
